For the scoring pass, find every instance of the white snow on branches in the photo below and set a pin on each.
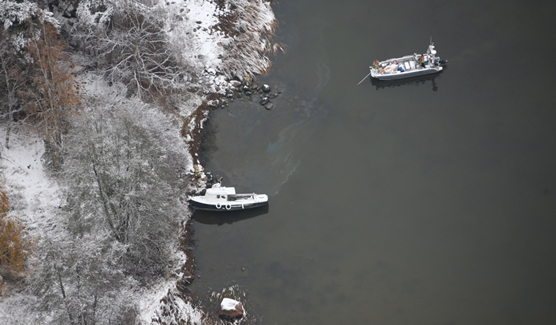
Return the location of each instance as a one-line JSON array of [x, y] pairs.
[[16, 13]]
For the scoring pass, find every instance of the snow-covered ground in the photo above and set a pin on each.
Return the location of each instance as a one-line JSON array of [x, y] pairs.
[[33, 197], [192, 20], [33, 194]]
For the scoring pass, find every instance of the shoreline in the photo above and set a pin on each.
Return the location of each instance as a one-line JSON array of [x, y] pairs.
[[217, 92]]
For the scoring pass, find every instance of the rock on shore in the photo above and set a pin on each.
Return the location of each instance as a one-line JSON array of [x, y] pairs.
[[231, 310]]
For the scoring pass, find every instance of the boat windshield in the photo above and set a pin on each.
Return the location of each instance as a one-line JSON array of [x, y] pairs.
[[239, 197]]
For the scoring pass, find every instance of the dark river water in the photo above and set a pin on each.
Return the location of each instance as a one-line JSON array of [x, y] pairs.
[[429, 202]]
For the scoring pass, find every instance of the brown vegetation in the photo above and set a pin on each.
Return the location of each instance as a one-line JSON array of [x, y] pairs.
[[15, 244], [247, 25], [41, 90], [51, 94]]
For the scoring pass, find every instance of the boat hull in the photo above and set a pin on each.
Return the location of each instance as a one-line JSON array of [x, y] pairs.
[[406, 74], [225, 207]]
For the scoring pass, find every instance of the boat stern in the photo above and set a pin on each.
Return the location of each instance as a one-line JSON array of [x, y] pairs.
[[374, 72]]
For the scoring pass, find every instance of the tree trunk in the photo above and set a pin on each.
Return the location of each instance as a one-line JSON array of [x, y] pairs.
[[10, 95], [64, 297]]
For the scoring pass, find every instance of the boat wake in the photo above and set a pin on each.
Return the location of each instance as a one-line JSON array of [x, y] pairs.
[[262, 150], [293, 136]]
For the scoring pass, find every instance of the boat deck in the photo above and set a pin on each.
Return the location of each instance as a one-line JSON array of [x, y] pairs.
[[408, 66], [404, 67]]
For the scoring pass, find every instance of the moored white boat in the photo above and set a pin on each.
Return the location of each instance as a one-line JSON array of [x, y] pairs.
[[221, 198], [408, 66]]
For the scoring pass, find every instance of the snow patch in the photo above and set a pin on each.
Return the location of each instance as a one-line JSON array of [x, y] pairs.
[[190, 23], [32, 193], [34, 196], [228, 304]]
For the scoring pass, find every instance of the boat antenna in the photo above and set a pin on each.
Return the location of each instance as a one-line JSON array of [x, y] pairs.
[[364, 79]]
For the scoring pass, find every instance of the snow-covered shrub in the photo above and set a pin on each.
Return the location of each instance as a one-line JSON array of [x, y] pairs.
[[17, 18], [79, 280], [95, 13]]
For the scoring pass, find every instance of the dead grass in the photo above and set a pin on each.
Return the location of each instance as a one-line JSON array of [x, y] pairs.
[[252, 27]]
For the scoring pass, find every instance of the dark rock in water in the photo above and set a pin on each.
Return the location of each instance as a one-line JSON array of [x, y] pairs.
[[248, 93], [266, 88], [254, 87], [230, 310], [269, 106], [264, 101], [246, 88], [273, 95]]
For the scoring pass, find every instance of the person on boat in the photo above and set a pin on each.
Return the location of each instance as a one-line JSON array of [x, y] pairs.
[[375, 64], [422, 60]]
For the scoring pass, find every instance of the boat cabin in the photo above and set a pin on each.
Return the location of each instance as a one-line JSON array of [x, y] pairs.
[[225, 194], [220, 193]]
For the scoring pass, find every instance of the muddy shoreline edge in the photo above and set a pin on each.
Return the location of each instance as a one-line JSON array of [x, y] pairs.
[[211, 102]]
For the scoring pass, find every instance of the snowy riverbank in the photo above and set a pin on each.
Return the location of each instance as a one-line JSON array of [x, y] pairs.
[[217, 41]]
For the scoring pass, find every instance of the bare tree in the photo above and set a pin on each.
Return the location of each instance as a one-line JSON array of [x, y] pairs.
[[130, 41], [51, 94], [37, 70], [80, 280], [123, 164], [21, 27], [13, 82]]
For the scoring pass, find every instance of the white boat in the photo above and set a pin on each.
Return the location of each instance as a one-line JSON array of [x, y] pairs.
[[221, 198], [408, 66]]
